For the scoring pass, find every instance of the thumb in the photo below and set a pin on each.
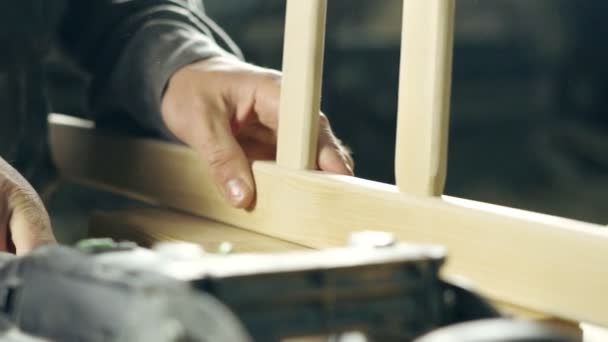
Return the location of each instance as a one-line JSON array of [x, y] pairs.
[[29, 223], [227, 162]]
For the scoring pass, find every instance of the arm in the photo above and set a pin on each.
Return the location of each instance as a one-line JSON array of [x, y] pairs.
[[131, 48], [156, 60]]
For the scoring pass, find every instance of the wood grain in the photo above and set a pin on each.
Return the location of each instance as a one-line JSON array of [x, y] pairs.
[[149, 226], [546, 263], [424, 96], [301, 85]]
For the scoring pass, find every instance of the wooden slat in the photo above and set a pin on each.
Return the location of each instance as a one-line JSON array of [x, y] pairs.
[[153, 225], [301, 85], [546, 263], [424, 96]]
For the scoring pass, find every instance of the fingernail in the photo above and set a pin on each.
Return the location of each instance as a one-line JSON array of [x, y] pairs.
[[350, 169], [236, 190]]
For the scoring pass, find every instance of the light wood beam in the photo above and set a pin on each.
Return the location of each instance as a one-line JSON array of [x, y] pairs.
[[542, 262], [424, 96], [152, 225], [301, 86]]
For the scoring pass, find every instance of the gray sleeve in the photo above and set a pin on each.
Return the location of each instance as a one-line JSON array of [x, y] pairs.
[[132, 47], [141, 73]]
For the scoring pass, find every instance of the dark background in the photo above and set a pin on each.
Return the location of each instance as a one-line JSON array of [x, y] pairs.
[[529, 127]]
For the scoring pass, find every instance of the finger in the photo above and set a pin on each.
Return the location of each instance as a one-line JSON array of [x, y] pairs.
[[225, 159], [29, 222], [267, 97], [259, 133], [254, 150], [332, 156]]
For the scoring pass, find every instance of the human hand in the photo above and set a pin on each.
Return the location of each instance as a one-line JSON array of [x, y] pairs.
[[227, 110], [24, 222]]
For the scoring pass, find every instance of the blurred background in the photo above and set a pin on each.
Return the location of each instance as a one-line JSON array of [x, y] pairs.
[[529, 127]]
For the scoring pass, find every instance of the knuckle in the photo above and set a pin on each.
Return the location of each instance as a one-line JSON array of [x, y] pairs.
[[18, 197], [219, 157], [269, 79], [26, 202], [273, 76], [323, 120], [275, 79]]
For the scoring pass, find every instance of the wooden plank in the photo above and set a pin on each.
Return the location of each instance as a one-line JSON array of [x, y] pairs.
[[594, 334], [424, 96], [152, 225], [546, 263], [301, 85]]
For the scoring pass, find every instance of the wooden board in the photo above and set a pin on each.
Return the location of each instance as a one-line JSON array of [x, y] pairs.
[[149, 226], [424, 96], [301, 86], [546, 263]]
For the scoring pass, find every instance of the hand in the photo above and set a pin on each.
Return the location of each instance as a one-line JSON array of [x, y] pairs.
[[227, 110], [24, 222]]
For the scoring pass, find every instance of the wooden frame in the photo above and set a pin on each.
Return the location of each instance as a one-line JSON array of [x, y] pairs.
[[536, 261], [424, 96], [301, 85]]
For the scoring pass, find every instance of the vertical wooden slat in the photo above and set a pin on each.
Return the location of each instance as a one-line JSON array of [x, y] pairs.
[[301, 85], [424, 96]]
